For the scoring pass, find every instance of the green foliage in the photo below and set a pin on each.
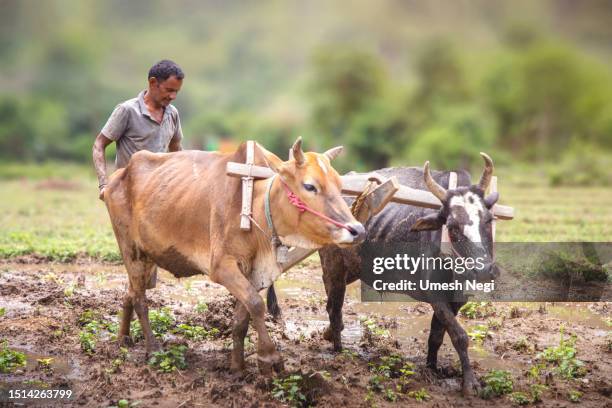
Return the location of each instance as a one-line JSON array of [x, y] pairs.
[[497, 383], [520, 398], [372, 329], [574, 396], [10, 360], [453, 138], [170, 360], [288, 390], [2, 311], [87, 338], [196, 332], [477, 310], [563, 357], [536, 392], [479, 333], [522, 345], [201, 307], [161, 321], [582, 164], [419, 395]]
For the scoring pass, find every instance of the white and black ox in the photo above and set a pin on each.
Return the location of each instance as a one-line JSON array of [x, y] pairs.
[[465, 211]]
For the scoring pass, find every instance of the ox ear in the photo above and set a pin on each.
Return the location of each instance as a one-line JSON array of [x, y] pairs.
[[296, 152], [333, 152], [272, 160], [429, 222], [491, 199]]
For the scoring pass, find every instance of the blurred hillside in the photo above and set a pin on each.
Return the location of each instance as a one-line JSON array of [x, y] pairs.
[[397, 82]]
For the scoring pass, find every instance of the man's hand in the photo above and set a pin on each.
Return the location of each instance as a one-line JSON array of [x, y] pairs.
[[99, 161]]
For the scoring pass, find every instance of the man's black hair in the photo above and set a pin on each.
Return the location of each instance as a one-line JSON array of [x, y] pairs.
[[164, 69]]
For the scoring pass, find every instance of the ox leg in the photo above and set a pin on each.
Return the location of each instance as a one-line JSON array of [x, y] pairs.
[[227, 273], [239, 331], [445, 314], [436, 337], [126, 319], [335, 286], [140, 272]]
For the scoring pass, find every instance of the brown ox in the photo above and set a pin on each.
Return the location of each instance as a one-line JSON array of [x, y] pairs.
[[181, 212]]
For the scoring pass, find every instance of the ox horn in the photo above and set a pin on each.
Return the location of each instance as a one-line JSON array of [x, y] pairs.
[[296, 152], [487, 173], [431, 184], [332, 153]]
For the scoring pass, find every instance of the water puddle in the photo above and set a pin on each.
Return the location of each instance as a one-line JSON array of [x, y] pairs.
[[55, 366]]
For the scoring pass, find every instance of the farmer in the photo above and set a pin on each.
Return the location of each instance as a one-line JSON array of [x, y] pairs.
[[147, 122]]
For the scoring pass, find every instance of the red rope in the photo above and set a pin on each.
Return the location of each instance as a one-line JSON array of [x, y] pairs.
[[301, 206]]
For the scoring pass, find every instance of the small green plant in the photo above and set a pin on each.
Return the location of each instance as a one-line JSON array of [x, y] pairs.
[[522, 345], [118, 362], [88, 316], [495, 324], [390, 395], [574, 396], [10, 360], [520, 398], [170, 360], [535, 370], [419, 395], [123, 403], [476, 310], [2, 311], [69, 290], [201, 306], [349, 354], [479, 333], [161, 321], [88, 342], [196, 332], [497, 382], [372, 330], [288, 390], [536, 392], [88, 336], [45, 364], [563, 357]]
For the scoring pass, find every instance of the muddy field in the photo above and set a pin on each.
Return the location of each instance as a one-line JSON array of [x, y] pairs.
[[47, 308]]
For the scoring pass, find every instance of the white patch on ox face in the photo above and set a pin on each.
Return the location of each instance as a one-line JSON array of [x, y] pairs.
[[322, 165], [472, 205]]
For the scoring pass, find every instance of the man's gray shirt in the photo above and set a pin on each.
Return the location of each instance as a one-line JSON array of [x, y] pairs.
[[134, 129]]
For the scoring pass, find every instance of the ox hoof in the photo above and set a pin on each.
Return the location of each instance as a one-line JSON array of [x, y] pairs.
[[334, 338], [153, 348], [125, 341], [270, 364], [471, 387], [237, 367]]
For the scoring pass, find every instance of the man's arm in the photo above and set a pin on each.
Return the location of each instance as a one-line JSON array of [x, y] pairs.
[[100, 162], [175, 145]]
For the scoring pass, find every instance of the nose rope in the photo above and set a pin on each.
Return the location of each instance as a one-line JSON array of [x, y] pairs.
[[301, 206]]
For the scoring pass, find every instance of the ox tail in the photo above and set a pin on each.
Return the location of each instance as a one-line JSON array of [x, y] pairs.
[[272, 303]]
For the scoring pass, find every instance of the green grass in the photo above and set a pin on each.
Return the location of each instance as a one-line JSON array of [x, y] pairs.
[[63, 221], [553, 214], [56, 223]]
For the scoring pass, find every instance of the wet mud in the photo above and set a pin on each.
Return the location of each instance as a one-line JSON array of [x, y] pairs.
[[44, 305]]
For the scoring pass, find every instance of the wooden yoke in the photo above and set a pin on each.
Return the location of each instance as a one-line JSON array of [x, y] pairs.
[[373, 199], [247, 188], [452, 184]]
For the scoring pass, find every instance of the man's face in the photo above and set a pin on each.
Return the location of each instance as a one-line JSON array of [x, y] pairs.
[[163, 93]]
